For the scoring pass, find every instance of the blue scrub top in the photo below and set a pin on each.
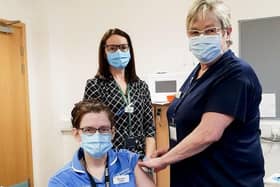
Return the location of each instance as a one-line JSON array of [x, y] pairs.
[[231, 87], [120, 164]]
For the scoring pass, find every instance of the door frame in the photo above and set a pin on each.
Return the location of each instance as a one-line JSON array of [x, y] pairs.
[[18, 24]]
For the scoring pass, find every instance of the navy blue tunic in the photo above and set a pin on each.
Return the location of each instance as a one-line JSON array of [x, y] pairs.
[[231, 87]]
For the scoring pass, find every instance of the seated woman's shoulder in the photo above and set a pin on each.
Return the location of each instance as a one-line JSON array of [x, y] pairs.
[[124, 153]]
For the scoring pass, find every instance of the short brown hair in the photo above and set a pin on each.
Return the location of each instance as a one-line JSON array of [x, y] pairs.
[[103, 69], [87, 106]]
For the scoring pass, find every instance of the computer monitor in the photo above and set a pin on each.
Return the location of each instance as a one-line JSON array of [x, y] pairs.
[[162, 84]]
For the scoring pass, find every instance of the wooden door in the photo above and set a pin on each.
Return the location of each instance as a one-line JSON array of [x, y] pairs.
[[162, 141], [15, 136]]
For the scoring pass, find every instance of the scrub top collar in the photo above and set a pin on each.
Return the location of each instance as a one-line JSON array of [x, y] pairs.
[[227, 54], [79, 168]]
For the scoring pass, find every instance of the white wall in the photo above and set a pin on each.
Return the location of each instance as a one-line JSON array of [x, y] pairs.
[[32, 14], [62, 41]]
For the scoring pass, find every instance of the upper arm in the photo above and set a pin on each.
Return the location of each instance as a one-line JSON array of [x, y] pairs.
[[230, 97], [212, 125], [142, 179]]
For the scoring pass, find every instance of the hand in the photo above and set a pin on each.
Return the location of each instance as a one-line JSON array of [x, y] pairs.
[[159, 153], [155, 160], [155, 154], [156, 163]]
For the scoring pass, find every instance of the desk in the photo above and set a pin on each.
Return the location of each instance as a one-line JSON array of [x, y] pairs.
[[162, 140]]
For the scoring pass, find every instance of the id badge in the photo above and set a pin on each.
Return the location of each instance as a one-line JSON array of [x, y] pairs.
[[129, 109], [120, 179], [173, 133], [172, 130]]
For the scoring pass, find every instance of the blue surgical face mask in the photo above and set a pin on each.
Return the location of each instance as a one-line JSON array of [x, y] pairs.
[[118, 59], [206, 48], [96, 145]]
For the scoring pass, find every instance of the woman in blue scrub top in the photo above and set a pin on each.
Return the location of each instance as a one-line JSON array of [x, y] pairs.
[[216, 115], [96, 164]]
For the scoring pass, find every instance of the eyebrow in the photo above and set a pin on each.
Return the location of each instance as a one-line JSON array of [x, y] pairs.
[[97, 127], [207, 26], [118, 44]]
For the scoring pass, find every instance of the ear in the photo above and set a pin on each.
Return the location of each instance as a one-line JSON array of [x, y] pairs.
[[229, 30], [76, 134]]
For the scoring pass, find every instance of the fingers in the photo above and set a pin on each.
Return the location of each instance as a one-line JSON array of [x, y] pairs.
[[158, 153], [142, 163]]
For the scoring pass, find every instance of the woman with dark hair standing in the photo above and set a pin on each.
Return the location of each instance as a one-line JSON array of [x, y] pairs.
[[117, 85]]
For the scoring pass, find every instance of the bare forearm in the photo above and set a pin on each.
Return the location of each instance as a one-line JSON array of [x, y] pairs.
[[191, 145], [150, 146], [207, 132]]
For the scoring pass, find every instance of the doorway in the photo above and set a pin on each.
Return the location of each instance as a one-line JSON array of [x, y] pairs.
[[15, 133]]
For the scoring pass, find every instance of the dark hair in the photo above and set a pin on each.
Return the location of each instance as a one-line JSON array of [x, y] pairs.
[[87, 106], [103, 69]]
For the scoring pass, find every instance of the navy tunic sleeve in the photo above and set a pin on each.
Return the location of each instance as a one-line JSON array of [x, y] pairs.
[[229, 97]]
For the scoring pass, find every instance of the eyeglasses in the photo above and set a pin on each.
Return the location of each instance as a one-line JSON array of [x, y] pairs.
[[92, 130], [114, 48], [207, 31]]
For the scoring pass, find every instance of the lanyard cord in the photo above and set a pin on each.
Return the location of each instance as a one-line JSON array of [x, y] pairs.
[[128, 103], [190, 87], [107, 178]]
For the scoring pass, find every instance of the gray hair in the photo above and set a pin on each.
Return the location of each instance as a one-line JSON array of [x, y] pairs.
[[216, 6]]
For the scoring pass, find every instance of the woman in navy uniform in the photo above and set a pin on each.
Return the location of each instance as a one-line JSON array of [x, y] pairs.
[[214, 121]]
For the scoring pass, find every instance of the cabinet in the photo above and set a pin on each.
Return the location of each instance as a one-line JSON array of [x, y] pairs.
[[162, 141]]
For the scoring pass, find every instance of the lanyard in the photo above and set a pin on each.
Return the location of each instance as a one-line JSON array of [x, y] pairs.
[[128, 104], [126, 100], [190, 87], [192, 83], [107, 178]]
